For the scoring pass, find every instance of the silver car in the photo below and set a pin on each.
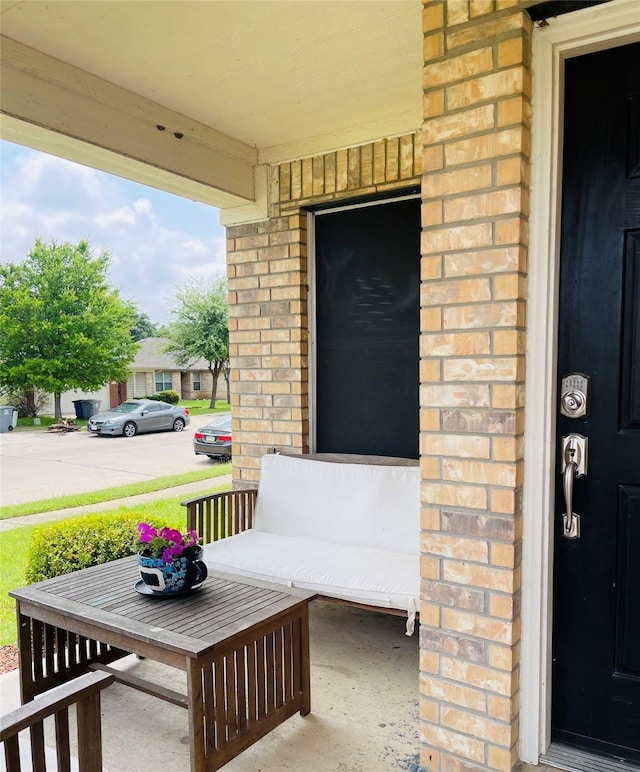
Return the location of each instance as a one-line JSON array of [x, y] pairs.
[[140, 415], [214, 439]]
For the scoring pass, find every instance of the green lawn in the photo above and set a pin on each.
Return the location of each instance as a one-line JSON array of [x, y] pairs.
[[109, 494], [202, 405], [14, 545], [13, 549]]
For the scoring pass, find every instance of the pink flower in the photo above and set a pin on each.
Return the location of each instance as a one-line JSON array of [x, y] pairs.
[[167, 544], [146, 532], [171, 552], [170, 534]]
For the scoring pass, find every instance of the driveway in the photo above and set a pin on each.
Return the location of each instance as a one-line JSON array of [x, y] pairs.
[[38, 465]]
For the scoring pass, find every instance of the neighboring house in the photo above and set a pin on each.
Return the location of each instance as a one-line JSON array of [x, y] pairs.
[[429, 223], [154, 370]]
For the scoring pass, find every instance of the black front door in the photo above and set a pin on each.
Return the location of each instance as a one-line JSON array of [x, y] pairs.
[[596, 628]]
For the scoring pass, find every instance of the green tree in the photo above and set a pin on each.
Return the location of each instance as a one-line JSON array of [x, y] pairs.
[[63, 326], [143, 327], [199, 327]]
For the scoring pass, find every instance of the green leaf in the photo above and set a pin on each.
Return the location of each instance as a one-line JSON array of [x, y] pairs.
[[63, 326]]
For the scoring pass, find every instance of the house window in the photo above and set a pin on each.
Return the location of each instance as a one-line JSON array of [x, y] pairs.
[[163, 381], [367, 319], [196, 381]]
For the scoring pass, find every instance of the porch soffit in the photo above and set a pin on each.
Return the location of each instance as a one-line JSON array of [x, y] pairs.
[[246, 83]]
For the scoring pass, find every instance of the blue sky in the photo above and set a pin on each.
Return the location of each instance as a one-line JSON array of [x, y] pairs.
[[157, 241]]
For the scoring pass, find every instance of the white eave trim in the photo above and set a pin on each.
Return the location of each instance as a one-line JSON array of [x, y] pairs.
[[58, 108]]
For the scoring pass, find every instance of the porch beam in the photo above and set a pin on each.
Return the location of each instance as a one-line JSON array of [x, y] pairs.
[[55, 107]]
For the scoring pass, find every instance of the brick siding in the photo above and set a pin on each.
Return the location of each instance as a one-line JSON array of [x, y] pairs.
[[268, 349], [476, 83], [206, 383], [373, 169]]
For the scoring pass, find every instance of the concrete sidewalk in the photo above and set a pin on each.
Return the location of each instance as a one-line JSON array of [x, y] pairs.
[[186, 491]]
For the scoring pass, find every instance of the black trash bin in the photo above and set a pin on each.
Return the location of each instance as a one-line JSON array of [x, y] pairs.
[[85, 408]]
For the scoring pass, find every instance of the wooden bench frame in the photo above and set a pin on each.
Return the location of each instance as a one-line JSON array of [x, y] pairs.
[[219, 515], [84, 692]]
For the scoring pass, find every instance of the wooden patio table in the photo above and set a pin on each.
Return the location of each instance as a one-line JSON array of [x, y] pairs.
[[243, 644]]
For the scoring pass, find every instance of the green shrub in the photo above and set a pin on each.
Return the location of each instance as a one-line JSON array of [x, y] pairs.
[[170, 396], [80, 542]]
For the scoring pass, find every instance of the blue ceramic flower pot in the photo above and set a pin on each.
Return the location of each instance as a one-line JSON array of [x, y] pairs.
[[179, 576]]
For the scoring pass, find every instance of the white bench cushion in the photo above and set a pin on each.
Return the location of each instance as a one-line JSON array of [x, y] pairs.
[[357, 574], [359, 505]]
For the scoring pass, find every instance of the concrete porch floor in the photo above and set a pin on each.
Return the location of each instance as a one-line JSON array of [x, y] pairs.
[[364, 707]]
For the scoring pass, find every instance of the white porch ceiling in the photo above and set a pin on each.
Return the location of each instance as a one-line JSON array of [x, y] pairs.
[[281, 78]]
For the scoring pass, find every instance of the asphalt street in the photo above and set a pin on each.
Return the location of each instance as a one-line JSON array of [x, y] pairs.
[[36, 465]]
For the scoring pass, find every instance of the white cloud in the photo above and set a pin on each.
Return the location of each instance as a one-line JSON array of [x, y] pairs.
[[156, 242]]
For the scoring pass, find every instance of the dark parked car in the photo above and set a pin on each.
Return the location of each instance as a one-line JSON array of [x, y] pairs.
[[214, 439], [140, 415]]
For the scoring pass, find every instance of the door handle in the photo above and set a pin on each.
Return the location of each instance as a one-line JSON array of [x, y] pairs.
[[574, 464], [570, 521]]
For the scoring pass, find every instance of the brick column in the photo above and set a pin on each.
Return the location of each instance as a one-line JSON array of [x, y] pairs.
[[476, 83], [268, 351]]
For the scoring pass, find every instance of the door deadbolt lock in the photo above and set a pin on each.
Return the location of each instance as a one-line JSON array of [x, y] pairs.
[[574, 395]]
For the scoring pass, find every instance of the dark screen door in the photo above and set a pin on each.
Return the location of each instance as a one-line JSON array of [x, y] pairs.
[[367, 329], [596, 629]]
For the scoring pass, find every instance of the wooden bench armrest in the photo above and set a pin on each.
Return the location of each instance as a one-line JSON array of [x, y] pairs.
[[84, 692], [223, 514]]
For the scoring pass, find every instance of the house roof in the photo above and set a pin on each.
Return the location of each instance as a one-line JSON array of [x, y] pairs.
[[151, 356]]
